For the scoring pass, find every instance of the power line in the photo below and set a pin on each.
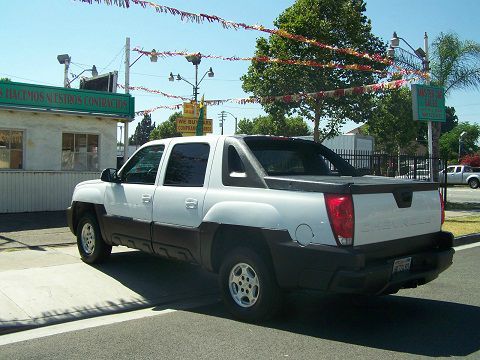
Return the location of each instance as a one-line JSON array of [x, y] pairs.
[[114, 58], [22, 78]]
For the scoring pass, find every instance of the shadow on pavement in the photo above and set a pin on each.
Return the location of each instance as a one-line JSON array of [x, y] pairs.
[[395, 323], [32, 221]]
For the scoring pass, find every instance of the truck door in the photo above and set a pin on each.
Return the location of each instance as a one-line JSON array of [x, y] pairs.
[[179, 198], [451, 174], [457, 175], [129, 203]]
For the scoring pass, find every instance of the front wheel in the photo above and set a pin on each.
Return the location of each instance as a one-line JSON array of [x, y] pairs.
[[92, 248], [473, 183], [248, 286]]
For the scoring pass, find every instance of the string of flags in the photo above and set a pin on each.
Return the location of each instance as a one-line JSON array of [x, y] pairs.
[[226, 24], [358, 90], [266, 59]]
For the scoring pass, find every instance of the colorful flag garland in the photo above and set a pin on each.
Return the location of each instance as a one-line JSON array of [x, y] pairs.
[[200, 18], [358, 90], [158, 92]]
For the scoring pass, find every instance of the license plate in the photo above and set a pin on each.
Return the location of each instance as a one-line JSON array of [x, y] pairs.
[[401, 265]]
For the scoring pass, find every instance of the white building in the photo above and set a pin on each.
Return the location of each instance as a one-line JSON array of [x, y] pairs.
[[52, 138]]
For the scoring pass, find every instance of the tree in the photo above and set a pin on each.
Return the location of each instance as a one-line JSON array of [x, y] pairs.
[[142, 131], [340, 23], [166, 129], [471, 159], [392, 123], [455, 65], [268, 125], [451, 120], [450, 141], [5, 80]]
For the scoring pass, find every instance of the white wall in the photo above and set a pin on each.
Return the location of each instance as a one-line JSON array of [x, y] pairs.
[[42, 136], [25, 191]]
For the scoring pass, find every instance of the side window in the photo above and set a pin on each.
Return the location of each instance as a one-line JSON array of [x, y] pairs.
[[235, 164], [451, 169], [459, 169], [187, 165], [143, 167]]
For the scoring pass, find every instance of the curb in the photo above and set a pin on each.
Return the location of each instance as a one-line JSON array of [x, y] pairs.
[[466, 239]]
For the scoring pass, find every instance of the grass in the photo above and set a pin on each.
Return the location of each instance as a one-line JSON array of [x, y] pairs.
[[462, 225], [462, 206]]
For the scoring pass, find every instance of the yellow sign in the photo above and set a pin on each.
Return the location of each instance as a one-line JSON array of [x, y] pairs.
[[192, 110], [188, 126]]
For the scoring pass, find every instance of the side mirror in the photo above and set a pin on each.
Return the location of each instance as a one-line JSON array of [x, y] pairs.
[[110, 175]]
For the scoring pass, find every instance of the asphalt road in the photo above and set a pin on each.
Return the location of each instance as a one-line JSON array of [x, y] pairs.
[[463, 194], [440, 319]]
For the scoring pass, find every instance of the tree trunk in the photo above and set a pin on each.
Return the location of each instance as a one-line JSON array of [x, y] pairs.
[[436, 129]]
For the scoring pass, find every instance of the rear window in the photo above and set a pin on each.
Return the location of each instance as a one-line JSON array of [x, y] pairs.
[[294, 157]]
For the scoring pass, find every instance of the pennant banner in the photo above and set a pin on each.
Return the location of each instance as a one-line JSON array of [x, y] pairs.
[[391, 85], [158, 92], [200, 18]]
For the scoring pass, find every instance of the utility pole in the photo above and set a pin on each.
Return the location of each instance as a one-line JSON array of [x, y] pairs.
[[426, 69], [66, 83], [127, 85], [222, 119]]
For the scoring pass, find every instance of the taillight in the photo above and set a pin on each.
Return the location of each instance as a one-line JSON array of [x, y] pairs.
[[442, 204], [342, 220]]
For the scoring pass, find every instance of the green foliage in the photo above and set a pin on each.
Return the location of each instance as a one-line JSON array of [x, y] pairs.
[[455, 63], [166, 129], [449, 142], [5, 80], [392, 123], [267, 125], [142, 131], [448, 125], [340, 23]]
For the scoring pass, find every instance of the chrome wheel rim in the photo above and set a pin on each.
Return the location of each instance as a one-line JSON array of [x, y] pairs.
[[244, 285], [88, 238]]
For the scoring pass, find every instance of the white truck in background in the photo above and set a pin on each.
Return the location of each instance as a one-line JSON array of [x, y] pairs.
[[267, 214], [461, 175]]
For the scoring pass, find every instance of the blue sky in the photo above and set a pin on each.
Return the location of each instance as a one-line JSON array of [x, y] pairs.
[[34, 32]]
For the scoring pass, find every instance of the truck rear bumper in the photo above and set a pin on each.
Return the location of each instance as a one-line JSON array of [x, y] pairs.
[[362, 270]]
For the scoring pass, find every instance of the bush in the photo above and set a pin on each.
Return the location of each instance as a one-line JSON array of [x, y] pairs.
[[471, 159]]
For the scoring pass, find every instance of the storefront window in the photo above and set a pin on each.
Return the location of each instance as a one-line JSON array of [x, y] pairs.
[[11, 149], [80, 152]]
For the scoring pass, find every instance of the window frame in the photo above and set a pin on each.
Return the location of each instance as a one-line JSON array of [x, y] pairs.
[[87, 134], [24, 132], [132, 158]]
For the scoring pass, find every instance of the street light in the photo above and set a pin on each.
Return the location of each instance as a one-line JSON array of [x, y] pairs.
[[222, 119], [195, 59], [93, 70], [423, 56], [460, 143], [65, 59]]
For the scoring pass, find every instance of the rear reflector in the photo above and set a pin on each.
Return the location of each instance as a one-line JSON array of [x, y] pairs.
[[342, 220]]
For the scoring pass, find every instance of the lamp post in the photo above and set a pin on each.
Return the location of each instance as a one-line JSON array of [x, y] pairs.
[[65, 59], [460, 143], [128, 65], [222, 119], [421, 54], [93, 70], [195, 60]]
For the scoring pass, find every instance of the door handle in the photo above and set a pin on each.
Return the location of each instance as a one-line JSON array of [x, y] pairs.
[[191, 203], [146, 198]]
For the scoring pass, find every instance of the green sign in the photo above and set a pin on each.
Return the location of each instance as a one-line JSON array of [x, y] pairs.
[[428, 103], [13, 94]]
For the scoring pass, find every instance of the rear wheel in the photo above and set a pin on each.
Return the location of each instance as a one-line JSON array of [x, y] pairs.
[[473, 183], [248, 286], [92, 248]]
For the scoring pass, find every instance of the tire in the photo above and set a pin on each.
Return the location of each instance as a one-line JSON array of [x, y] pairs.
[[248, 286], [473, 183], [92, 248]]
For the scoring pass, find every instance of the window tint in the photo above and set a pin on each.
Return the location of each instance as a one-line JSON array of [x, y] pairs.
[[451, 169], [284, 157], [187, 165], [143, 167], [235, 164], [459, 169]]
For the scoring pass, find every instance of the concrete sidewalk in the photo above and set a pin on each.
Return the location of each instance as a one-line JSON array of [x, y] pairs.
[[52, 285]]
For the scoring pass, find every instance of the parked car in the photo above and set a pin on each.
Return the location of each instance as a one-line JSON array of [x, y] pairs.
[[461, 174], [267, 214]]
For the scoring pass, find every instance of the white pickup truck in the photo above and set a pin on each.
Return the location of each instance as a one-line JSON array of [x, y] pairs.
[[267, 214], [461, 174]]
